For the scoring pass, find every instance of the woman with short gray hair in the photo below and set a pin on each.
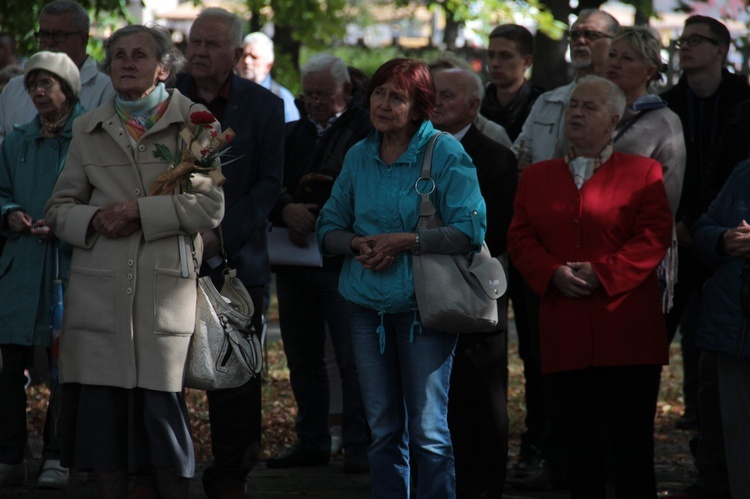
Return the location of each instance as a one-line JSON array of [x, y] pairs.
[[587, 235], [169, 56], [134, 246]]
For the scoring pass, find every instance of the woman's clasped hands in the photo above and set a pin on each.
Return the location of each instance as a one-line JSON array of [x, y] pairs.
[[576, 279], [20, 221], [378, 252]]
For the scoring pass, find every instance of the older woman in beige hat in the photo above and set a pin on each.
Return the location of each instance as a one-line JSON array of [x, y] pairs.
[[31, 159]]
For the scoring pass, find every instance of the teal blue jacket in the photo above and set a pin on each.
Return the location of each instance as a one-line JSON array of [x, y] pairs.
[[29, 167], [371, 198]]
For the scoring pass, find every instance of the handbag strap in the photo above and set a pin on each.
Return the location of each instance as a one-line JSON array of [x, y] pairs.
[[426, 208]]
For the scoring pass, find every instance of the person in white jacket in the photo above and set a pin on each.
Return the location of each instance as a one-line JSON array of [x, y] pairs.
[[589, 38], [63, 27]]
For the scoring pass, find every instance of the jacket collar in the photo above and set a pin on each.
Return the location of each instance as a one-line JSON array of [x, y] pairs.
[[89, 70], [416, 145]]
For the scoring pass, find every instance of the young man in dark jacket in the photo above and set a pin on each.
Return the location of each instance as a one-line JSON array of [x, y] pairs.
[[705, 98]]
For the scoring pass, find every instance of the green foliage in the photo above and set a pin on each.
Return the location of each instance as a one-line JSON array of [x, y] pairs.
[[20, 18], [312, 22]]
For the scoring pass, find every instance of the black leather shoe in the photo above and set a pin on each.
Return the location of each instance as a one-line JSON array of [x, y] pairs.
[[545, 478], [297, 455]]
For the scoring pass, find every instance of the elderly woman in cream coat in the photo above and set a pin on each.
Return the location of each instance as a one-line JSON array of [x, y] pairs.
[[131, 296]]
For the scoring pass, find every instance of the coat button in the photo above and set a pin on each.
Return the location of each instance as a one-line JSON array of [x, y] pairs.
[[130, 277], [141, 148], [129, 291], [130, 263], [137, 192]]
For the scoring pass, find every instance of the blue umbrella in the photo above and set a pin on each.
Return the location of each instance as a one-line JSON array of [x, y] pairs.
[[56, 313]]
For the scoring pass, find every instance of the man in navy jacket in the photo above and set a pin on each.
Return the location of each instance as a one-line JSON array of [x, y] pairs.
[[251, 189]]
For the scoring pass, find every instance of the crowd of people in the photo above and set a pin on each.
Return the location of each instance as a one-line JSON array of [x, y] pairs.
[[622, 213]]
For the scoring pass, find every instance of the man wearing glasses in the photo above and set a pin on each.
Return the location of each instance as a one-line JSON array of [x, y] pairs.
[[63, 27], [310, 305], [706, 98], [589, 38]]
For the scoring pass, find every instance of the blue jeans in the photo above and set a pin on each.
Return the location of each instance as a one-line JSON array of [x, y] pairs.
[[405, 391], [309, 300]]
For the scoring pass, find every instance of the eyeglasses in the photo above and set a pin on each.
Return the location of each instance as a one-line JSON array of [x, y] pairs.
[[57, 36], [693, 40], [43, 83], [588, 34], [318, 96]]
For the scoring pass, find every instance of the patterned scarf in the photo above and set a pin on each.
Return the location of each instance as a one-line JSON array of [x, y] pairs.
[[583, 168], [139, 116], [52, 128]]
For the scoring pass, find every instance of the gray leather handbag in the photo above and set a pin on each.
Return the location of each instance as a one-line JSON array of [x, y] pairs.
[[455, 293], [225, 351]]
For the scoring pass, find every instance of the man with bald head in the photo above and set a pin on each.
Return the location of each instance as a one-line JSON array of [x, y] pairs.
[[477, 413], [63, 27]]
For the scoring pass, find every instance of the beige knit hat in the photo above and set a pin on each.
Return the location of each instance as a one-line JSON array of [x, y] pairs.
[[57, 63]]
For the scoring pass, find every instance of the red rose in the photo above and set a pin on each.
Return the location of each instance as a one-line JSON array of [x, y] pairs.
[[228, 137], [202, 118]]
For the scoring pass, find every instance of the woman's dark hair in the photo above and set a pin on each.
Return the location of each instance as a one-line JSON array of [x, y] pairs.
[[412, 76]]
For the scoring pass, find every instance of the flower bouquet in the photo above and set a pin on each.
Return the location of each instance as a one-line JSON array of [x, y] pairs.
[[200, 155]]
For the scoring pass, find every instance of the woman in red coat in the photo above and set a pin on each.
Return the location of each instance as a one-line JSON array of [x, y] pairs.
[[588, 234]]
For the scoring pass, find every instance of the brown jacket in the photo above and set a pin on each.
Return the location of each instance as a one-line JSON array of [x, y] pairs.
[[129, 312]]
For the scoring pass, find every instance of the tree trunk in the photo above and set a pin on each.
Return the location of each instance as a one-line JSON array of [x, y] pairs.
[[284, 43], [450, 34], [550, 69], [255, 19]]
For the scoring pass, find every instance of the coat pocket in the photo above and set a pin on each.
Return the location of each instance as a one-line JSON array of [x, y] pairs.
[[90, 290], [174, 303]]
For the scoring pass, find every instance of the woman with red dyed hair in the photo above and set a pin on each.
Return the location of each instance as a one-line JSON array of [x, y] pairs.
[[371, 217]]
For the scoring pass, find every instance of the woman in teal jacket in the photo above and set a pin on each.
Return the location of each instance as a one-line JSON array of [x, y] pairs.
[[371, 217], [31, 159]]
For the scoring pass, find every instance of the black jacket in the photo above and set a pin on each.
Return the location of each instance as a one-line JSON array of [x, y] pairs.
[[306, 153], [703, 121], [512, 116]]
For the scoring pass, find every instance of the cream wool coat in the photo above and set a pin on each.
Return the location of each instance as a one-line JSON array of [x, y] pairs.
[[129, 312]]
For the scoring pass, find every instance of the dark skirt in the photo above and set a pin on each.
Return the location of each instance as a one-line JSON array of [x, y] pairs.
[[106, 428]]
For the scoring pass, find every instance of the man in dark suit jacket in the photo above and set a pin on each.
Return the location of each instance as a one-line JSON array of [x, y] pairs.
[[477, 412], [252, 187]]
